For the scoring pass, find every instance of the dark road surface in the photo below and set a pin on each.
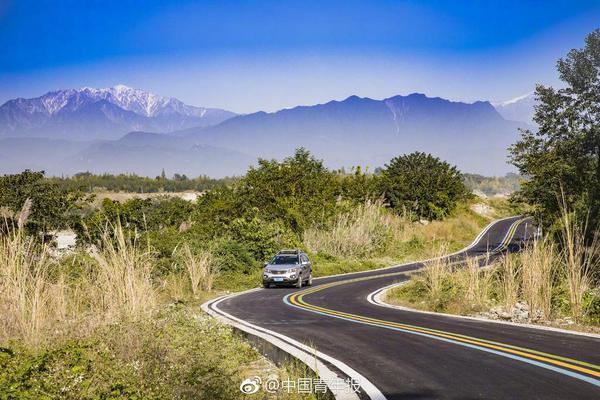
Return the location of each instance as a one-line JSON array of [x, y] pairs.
[[412, 355]]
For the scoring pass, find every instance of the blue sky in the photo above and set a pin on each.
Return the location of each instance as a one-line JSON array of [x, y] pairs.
[[265, 55]]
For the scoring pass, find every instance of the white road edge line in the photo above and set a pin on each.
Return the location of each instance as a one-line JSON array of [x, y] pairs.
[[307, 355], [378, 295]]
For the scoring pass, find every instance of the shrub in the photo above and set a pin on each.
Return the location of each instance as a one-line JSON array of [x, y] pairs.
[[422, 185], [51, 207], [174, 354], [260, 237], [233, 256], [298, 192]]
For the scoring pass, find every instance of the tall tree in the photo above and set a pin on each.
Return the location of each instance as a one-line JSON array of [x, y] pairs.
[[562, 156]]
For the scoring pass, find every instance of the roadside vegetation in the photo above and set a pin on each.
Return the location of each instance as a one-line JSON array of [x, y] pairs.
[[131, 183], [555, 280], [546, 283]]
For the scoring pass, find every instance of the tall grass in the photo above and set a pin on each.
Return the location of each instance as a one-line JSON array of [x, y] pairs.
[[475, 282], [123, 276], [579, 260], [508, 280], [24, 284], [435, 272], [38, 301], [363, 231], [538, 265], [200, 266]]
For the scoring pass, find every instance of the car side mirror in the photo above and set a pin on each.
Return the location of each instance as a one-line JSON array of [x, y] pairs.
[[265, 264]]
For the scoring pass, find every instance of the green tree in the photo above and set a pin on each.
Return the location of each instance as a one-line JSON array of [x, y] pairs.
[[422, 185], [51, 207], [358, 185], [562, 156], [298, 191]]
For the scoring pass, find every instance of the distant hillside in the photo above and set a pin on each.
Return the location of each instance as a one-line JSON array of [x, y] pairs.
[[370, 132], [128, 130]]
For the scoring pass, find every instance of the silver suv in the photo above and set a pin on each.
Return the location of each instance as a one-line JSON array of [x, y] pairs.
[[288, 267]]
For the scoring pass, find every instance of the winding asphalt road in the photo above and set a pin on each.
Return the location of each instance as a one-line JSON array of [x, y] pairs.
[[412, 355]]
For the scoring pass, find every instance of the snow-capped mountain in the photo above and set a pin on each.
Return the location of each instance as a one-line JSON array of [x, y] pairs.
[[518, 109], [90, 113]]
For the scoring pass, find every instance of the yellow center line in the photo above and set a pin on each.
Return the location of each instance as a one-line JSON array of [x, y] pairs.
[[297, 299]]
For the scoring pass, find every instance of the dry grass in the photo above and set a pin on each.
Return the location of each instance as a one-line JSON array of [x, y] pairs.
[[123, 277], [476, 284], [435, 272], [508, 280], [360, 232], [200, 266], [579, 261], [24, 285], [538, 263], [39, 301]]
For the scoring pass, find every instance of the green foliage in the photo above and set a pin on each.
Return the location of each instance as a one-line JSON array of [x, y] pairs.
[[422, 185], [259, 237], [359, 185], [562, 157], [88, 182], [234, 256], [298, 192], [172, 355], [136, 215], [591, 305], [52, 207]]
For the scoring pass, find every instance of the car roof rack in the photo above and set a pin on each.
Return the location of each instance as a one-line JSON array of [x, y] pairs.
[[290, 251]]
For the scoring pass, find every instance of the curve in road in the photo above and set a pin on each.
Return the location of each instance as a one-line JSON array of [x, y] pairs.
[[400, 354]]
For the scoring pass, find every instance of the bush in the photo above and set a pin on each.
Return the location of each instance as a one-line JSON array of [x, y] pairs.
[[298, 192], [422, 185], [135, 215], [261, 238], [174, 354], [233, 256]]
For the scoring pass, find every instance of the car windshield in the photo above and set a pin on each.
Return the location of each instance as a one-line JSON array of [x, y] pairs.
[[279, 260]]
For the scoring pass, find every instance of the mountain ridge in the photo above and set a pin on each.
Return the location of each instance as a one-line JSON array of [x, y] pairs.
[[111, 112], [352, 131]]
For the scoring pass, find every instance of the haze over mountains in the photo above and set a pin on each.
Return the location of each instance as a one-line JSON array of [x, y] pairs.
[[121, 129]]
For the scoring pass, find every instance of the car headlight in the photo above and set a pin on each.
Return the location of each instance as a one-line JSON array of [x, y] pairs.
[[292, 270], [267, 271]]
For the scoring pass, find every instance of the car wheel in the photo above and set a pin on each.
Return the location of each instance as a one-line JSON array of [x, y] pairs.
[[299, 283], [309, 280], [266, 285]]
